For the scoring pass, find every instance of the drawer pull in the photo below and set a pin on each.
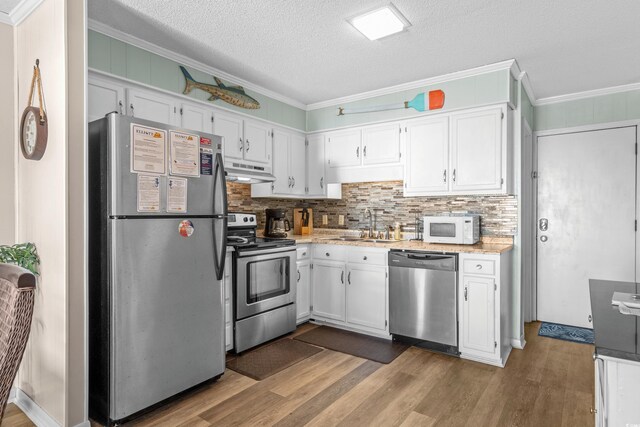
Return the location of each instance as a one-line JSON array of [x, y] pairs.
[[364, 258], [304, 254], [479, 267], [327, 254]]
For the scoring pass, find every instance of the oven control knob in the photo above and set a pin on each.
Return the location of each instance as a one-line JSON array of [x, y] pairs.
[[251, 219], [245, 219]]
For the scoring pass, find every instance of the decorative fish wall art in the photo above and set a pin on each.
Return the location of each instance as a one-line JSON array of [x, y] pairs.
[[233, 95], [419, 103]]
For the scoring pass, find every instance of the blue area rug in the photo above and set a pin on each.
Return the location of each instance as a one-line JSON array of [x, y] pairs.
[[567, 333]]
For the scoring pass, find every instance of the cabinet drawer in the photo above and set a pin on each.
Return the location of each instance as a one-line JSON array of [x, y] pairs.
[[370, 257], [330, 252], [479, 266], [303, 252]]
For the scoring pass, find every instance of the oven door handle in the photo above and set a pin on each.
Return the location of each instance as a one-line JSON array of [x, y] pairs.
[[281, 250]]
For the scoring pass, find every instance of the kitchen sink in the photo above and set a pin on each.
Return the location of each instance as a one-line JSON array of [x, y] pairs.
[[358, 239]]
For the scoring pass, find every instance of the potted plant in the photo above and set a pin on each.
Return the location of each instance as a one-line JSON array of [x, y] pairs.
[[23, 254]]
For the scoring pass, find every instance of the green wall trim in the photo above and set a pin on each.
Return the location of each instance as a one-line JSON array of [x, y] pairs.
[[609, 108], [489, 88], [112, 56]]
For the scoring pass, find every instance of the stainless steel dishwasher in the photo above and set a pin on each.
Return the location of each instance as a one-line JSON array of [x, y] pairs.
[[423, 299]]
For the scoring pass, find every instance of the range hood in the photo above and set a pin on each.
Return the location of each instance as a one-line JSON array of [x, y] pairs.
[[248, 174]]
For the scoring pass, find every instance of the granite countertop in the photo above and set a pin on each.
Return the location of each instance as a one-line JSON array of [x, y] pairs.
[[489, 245], [616, 334]]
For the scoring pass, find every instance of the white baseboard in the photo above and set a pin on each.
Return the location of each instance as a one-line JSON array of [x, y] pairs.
[[12, 395], [32, 410], [84, 424], [518, 343]]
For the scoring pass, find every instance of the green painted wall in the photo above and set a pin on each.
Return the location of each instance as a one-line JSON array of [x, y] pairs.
[[599, 109], [527, 109], [467, 92], [121, 59]]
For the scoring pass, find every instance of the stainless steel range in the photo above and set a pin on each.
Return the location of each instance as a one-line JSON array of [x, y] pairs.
[[264, 283]]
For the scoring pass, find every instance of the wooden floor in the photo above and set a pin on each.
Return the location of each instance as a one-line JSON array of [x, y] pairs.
[[550, 383]]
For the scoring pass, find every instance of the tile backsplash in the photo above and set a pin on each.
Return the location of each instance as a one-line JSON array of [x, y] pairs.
[[499, 213]]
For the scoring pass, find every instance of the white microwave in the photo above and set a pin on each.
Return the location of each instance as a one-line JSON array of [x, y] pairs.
[[462, 229]]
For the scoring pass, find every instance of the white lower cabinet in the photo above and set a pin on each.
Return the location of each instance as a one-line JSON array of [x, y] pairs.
[[227, 281], [350, 288], [303, 286], [484, 311], [617, 390]]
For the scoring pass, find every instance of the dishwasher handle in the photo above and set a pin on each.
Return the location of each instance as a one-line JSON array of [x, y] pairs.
[[424, 260]]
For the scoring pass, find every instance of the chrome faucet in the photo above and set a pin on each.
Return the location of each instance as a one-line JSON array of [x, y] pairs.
[[367, 214]]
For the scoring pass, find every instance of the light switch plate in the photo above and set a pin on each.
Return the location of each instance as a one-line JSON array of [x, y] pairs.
[[340, 219], [325, 220]]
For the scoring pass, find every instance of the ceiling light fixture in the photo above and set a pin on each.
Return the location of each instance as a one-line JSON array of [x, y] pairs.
[[380, 23]]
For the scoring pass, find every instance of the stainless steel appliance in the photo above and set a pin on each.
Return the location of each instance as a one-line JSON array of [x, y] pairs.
[[264, 283], [462, 229], [422, 298], [157, 246], [276, 223]]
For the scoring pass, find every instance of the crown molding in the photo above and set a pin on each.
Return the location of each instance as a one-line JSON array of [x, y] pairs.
[[169, 54], [20, 12], [526, 85], [587, 94], [504, 65]]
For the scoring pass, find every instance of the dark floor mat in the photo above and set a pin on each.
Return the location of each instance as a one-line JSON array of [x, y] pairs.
[[271, 359], [372, 348]]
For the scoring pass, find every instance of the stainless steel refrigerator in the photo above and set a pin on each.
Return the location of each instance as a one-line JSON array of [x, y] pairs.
[[157, 243]]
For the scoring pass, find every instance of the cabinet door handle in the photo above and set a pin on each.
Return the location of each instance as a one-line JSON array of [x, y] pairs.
[[479, 267], [349, 278], [444, 176], [364, 258], [364, 151], [465, 294], [358, 152], [454, 175], [120, 105], [240, 144], [293, 178], [248, 146], [322, 182], [342, 277], [132, 110], [304, 254], [298, 275], [289, 182]]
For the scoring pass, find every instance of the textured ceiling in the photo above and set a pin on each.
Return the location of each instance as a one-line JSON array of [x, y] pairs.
[[306, 50], [6, 6]]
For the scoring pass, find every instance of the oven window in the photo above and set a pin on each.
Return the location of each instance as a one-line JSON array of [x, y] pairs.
[[267, 279], [442, 229]]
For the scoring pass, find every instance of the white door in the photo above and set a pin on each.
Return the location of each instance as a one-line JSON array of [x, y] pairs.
[[151, 106], [257, 142], [366, 296], [103, 98], [476, 150], [196, 118], [328, 290], [478, 316], [315, 165], [297, 169], [586, 219], [343, 148], [381, 144], [427, 160], [230, 129], [303, 291], [282, 184]]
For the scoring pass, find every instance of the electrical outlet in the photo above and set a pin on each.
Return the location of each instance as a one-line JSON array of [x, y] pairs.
[[325, 220], [340, 219]]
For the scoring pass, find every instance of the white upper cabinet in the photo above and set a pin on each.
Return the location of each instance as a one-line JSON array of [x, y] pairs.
[[297, 163], [381, 144], [343, 148], [316, 182], [104, 97], [477, 160], [288, 165], [427, 159], [282, 184], [196, 118], [257, 142], [152, 106], [229, 127]]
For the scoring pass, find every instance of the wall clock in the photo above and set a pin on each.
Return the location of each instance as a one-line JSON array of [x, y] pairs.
[[34, 126]]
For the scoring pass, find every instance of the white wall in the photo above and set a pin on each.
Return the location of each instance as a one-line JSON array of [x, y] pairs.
[[52, 371], [7, 142]]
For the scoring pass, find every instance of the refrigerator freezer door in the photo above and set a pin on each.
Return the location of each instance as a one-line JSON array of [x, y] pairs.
[[123, 183], [167, 308]]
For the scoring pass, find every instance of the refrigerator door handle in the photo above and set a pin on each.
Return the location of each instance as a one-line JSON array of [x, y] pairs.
[[219, 185]]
